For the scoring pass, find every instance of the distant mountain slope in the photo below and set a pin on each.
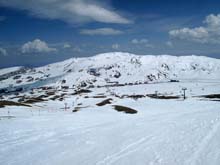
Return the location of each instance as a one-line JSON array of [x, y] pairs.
[[113, 68]]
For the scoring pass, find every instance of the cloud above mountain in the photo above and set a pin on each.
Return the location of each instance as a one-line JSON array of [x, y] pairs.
[[66, 46], [101, 31], [3, 52], [115, 46], [142, 42], [70, 11], [36, 46], [209, 33]]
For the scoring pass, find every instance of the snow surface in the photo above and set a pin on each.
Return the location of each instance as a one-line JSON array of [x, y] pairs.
[[8, 70], [163, 132]]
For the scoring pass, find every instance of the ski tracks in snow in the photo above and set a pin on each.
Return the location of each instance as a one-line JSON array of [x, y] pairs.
[[203, 146], [130, 148]]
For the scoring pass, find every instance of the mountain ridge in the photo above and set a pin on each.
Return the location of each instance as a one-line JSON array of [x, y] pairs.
[[114, 67]]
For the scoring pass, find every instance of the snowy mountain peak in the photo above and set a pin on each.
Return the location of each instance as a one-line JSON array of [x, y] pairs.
[[114, 67]]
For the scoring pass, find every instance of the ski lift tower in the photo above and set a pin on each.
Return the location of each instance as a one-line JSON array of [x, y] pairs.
[[184, 93]]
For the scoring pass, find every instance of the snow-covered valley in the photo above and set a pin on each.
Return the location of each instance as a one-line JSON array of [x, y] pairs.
[[65, 113]]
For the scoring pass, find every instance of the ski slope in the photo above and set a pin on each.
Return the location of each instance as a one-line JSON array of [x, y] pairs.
[[162, 132]]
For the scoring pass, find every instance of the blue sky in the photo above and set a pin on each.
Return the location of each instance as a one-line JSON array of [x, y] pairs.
[[34, 33]]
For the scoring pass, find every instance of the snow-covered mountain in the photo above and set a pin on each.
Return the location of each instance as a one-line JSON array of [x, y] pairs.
[[68, 119], [112, 68]]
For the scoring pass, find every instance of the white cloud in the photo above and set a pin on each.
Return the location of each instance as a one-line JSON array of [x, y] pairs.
[[101, 31], [3, 52], [66, 46], [169, 44], [77, 49], [199, 34], [213, 21], [148, 45], [210, 33], [115, 46], [36, 46], [71, 11], [141, 41], [134, 41]]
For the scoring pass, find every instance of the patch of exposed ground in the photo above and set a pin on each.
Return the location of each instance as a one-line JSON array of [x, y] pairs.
[[211, 96], [104, 102], [76, 109], [11, 103], [124, 109], [82, 91], [34, 100], [154, 96], [6, 117]]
